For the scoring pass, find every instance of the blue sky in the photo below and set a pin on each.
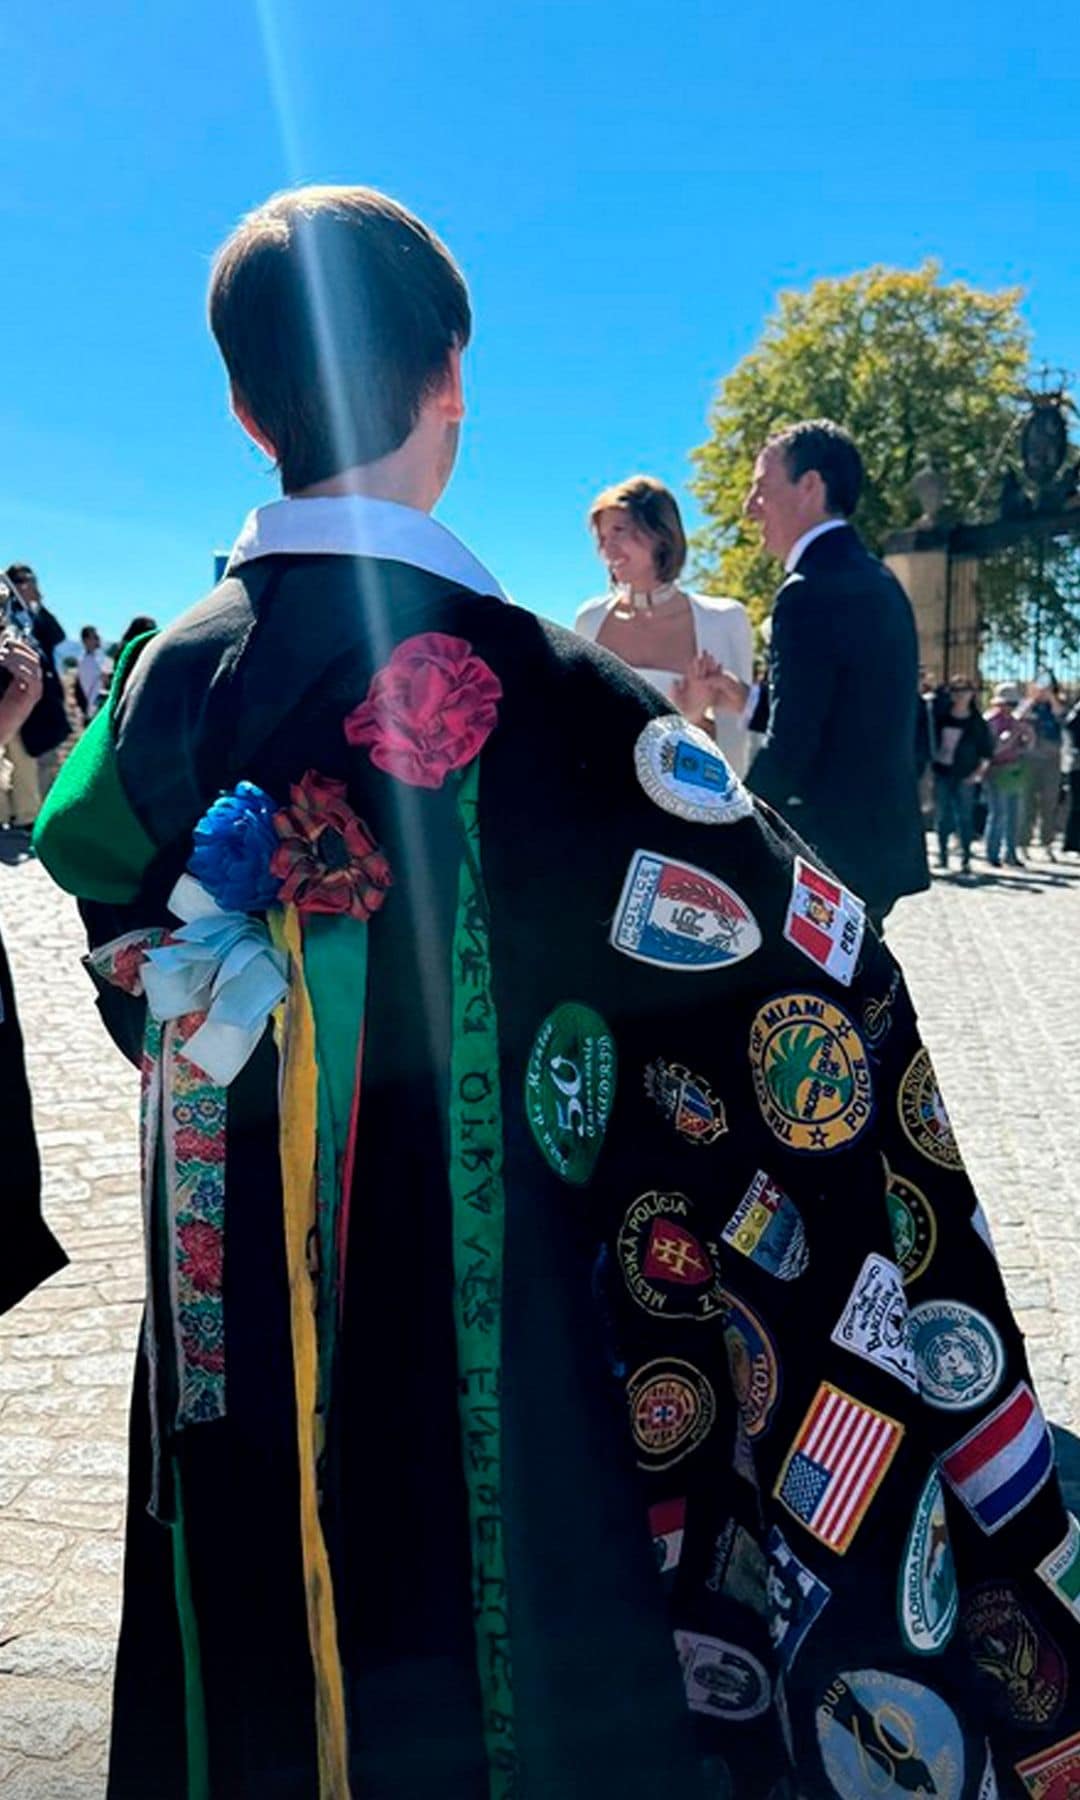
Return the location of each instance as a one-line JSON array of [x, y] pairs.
[[626, 186]]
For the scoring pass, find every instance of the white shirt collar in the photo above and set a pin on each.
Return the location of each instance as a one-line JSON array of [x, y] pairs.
[[354, 525], [803, 543]]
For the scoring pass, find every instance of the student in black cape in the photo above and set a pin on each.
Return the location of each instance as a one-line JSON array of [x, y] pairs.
[[575, 1361]]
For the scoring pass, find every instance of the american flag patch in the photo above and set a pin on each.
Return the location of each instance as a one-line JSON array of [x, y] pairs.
[[999, 1465], [836, 1465]]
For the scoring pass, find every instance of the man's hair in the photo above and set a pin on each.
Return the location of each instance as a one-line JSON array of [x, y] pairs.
[[335, 311], [88, 631], [20, 572], [828, 448], [655, 511]]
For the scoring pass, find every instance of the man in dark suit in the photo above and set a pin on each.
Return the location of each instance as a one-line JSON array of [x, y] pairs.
[[838, 759]]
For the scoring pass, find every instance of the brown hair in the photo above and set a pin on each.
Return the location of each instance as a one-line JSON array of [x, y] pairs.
[[655, 511], [335, 310]]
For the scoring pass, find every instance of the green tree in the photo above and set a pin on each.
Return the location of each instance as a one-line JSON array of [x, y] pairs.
[[921, 371]]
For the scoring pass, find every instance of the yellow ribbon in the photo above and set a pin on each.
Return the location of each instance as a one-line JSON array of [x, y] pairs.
[[295, 1032]]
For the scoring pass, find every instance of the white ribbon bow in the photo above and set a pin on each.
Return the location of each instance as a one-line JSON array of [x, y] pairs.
[[222, 964]]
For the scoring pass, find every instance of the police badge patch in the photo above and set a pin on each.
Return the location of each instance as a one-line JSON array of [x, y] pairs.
[[928, 1600], [682, 770], [686, 1101], [766, 1227], [874, 1323], [825, 921], [1011, 1649], [794, 1597], [911, 1223], [669, 1270], [723, 1680], [811, 1074], [923, 1116], [570, 1089], [672, 1408], [959, 1355], [754, 1366], [675, 916]]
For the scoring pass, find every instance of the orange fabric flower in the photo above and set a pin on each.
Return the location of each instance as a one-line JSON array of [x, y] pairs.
[[327, 860]]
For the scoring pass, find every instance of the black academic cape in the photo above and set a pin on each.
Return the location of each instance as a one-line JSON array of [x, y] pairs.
[[744, 1553], [839, 757], [31, 1253]]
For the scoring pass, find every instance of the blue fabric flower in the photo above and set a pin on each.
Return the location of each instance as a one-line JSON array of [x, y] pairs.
[[234, 841]]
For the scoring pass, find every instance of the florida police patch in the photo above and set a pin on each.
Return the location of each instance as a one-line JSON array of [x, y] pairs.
[[1009, 1645], [881, 1734], [723, 1680], [672, 1408], [811, 1073], [679, 917], [669, 1270], [959, 1354], [923, 1116], [927, 1597], [570, 1089], [825, 921], [911, 1223], [874, 1323], [754, 1366], [681, 769], [766, 1226], [794, 1598], [686, 1101]]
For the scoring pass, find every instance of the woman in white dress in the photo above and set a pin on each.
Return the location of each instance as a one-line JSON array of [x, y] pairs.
[[678, 641]]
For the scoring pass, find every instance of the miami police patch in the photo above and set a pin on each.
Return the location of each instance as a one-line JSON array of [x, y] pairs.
[[754, 1366], [881, 1734], [825, 921], [794, 1596], [766, 1226], [1053, 1774], [923, 1116], [927, 1597], [836, 1464], [960, 1356], [1002, 1462], [669, 1270], [675, 916], [911, 1223], [874, 1323], [686, 1101], [570, 1089], [723, 1680], [811, 1074], [682, 770], [1061, 1569], [1010, 1647], [672, 1408]]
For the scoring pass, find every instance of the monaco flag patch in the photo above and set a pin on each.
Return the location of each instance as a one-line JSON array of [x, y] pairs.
[[825, 921]]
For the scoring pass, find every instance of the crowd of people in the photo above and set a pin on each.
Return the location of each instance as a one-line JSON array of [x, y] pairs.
[[575, 1357]]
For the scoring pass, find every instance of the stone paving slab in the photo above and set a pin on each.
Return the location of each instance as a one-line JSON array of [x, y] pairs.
[[993, 966]]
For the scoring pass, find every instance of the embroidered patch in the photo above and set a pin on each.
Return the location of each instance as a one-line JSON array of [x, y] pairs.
[[927, 1598], [923, 1116], [960, 1356], [874, 1323], [811, 1075], [686, 1101], [1053, 1774], [675, 916], [1061, 1569], [825, 921], [883, 1735], [739, 1568], [1011, 1649], [877, 1014], [834, 1468], [667, 1522], [911, 1223], [1002, 1462], [988, 1787], [794, 1598], [570, 1089], [723, 1680], [672, 1408], [668, 1270], [682, 769], [742, 1456], [754, 1366], [766, 1227]]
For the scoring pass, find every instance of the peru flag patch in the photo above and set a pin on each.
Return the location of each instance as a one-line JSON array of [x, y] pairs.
[[825, 921]]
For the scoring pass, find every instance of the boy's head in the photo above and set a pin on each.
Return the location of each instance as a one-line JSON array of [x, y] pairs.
[[338, 314]]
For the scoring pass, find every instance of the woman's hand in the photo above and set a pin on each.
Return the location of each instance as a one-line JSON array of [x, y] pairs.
[[694, 694]]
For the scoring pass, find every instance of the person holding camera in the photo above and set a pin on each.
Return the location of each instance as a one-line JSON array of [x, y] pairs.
[[48, 728]]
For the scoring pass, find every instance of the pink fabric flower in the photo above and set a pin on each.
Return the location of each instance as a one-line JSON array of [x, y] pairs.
[[429, 710], [327, 860]]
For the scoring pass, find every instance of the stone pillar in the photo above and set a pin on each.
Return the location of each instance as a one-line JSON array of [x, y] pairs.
[[919, 559]]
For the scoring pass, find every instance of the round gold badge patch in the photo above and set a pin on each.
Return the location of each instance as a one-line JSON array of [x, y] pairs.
[[912, 1224], [923, 1116], [672, 1408], [811, 1073]]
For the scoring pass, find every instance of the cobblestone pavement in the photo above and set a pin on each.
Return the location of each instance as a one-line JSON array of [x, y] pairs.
[[993, 966]]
